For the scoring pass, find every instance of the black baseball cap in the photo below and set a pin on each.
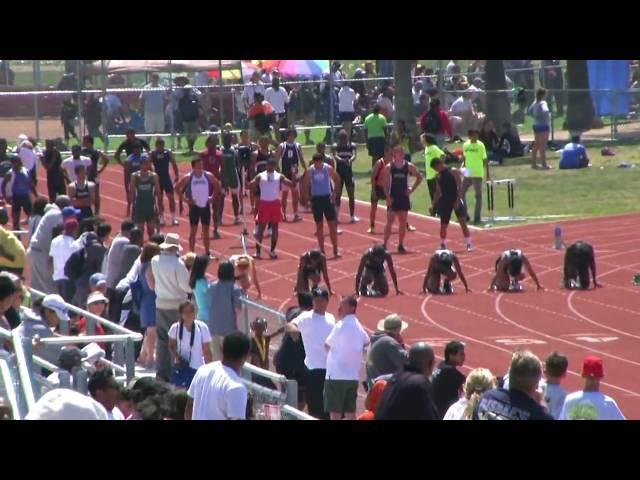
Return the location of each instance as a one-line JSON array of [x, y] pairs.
[[320, 293]]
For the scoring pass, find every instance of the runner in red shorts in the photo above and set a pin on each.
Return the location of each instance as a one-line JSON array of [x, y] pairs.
[[270, 183]]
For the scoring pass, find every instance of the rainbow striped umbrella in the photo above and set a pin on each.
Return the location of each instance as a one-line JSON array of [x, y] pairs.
[[296, 68]]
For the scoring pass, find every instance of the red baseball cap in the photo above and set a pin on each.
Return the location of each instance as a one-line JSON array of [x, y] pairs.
[[592, 367]]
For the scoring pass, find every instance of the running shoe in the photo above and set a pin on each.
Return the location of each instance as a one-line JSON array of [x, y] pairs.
[[236, 221], [371, 230], [297, 218], [175, 221], [213, 258], [216, 235], [469, 248], [162, 221], [339, 231], [410, 228], [401, 249], [354, 219], [257, 256], [273, 255], [337, 254], [447, 288]]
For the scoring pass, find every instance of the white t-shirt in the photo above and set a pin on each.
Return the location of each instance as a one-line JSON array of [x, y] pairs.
[[583, 405], [457, 410], [461, 106], [554, 396], [346, 97], [270, 183], [70, 164], [61, 249], [201, 336], [314, 329], [277, 98], [115, 414], [218, 393], [28, 157], [347, 342]]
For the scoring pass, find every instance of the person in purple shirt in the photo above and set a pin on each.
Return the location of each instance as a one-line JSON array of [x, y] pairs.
[[21, 190]]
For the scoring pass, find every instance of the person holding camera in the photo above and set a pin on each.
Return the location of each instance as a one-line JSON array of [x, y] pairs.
[[189, 344]]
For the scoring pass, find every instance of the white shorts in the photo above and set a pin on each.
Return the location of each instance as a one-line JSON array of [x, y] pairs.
[[154, 123]]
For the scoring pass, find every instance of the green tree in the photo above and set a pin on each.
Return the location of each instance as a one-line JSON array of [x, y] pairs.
[[498, 103], [580, 111], [404, 108]]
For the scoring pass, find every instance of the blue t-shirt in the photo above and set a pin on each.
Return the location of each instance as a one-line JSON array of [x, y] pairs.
[[223, 298], [200, 294], [21, 183], [501, 404], [572, 153]]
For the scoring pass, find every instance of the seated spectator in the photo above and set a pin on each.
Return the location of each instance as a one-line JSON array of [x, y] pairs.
[[489, 137], [555, 370], [65, 404], [463, 115], [12, 252], [373, 400], [98, 283], [387, 354], [510, 141], [10, 319], [104, 388], [70, 358], [479, 381], [96, 305], [447, 380], [574, 155]]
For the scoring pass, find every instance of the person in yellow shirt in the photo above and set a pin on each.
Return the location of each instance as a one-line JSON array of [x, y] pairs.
[[431, 152], [12, 252], [476, 164]]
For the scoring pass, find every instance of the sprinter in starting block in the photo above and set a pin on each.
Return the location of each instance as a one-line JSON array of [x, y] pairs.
[[509, 272], [443, 263]]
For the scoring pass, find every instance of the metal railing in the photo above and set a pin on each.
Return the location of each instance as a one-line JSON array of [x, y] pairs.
[[8, 387]]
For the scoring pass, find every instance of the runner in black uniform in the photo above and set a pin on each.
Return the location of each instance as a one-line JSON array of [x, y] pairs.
[[448, 199], [443, 263], [509, 271], [578, 260], [128, 146], [371, 280], [245, 149], [290, 155], [52, 162], [93, 174], [396, 177], [313, 263], [377, 187], [161, 158], [344, 153], [82, 193]]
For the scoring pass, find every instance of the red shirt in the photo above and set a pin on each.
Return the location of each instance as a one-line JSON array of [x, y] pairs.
[[212, 162]]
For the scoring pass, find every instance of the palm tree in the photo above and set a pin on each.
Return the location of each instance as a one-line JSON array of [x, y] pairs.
[[404, 108], [498, 104], [580, 111]]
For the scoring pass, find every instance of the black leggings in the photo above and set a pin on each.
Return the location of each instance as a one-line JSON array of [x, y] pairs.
[[314, 389]]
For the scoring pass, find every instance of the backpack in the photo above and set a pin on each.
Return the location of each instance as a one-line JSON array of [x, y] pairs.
[[188, 106], [74, 267], [431, 122]]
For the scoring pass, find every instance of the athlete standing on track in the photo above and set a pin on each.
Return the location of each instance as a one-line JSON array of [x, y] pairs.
[[289, 154], [443, 263], [82, 193], [94, 172], [245, 149], [128, 147], [198, 189], [578, 260], [145, 197], [212, 162], [269, 206], [313, 263], [344, 153], [509, 271], [377, 187], [447, 200], [431, 152], [21, 189], [229, 174], [259, 159], [131, 166], [161, 159], [396, 177], [371, 280], [320, 176]]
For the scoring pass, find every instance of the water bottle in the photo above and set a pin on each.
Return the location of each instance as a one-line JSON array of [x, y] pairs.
[[558, 243]]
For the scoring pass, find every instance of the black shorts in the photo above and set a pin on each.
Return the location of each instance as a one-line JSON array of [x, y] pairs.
[[166, 185], [401, 204], [445, 208], [378, 193], [21, 202], [347, 117], [200, 214], [375, 146], [307, 272], [322, 207], [345, 170]]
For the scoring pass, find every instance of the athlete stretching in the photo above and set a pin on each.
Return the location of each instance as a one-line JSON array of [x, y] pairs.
[[509, 272], [443, 263], [578, 260]]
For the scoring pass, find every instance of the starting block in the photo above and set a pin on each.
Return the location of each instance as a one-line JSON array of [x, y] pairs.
[[515, 287]]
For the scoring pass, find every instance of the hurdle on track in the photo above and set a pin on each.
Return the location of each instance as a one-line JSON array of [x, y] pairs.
[[511, 186]]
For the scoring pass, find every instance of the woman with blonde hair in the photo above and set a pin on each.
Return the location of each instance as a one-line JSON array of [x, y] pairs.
[[245, 272], [479, 381]]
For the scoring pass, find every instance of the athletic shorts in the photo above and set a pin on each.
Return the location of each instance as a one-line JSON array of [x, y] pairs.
[[375, 146], [378, 193], [200, 214], [143, 214], [269, 212], [340, 395], [85, 212], [347, 117], [323, 207], [293, 176], [446, 208], [166, 185], [345, 171], [21, 202], [307, 272], [541, 128], [401, 203]]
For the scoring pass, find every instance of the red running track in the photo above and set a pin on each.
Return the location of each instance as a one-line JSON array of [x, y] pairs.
[[605, 322]]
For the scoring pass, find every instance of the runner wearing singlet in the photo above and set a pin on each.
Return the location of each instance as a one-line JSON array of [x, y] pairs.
[[93, 174], [161, 159], [145, 197], [443, 263], [578, 260], [82, 193], [212, 162], [322, 203], [371, 280], [245, 149], [289, 153], [377, 187], [230, 179], [259, 159], [312, 265], [131, 166], [344, 153], [305, 195], [21, 189], [396, 179], [198, 188], [509, 271], [270, 183]]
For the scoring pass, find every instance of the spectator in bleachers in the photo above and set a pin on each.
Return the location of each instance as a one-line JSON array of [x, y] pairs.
[[12, 251], [170, 279], [435, 121], [489, 138], [254, 86], [373, 400], [278, 97], [66, 404], [40, 243], [259, 350], [447, 380], [385, 101], [11, 317], [223, 305], [62, 247], [199, 285], [146, 298], [555, 371], [104, 388], [115, 253], [44, 321], [7, 291], [39, 206], [479, 381], [387, 353], [95, 249]]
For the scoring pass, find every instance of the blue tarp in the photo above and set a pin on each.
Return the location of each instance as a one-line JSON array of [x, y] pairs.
[[614, 75]]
